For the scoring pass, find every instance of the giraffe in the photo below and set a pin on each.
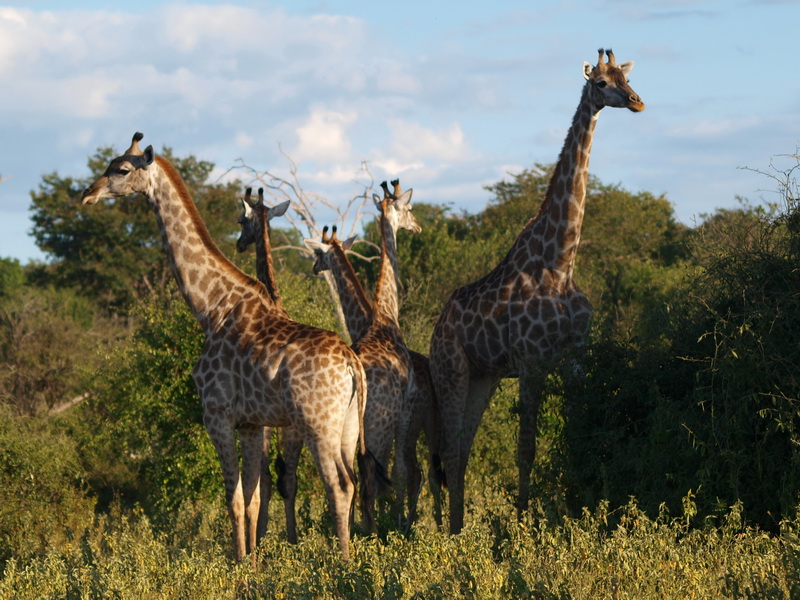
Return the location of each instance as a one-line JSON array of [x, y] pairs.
[[255, 230], [515, 319], [256, 368], [390, 383], [330, 255], [424, 413], [358, 312]]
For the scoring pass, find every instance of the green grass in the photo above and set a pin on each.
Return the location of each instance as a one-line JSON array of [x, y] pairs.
[[123, 555]]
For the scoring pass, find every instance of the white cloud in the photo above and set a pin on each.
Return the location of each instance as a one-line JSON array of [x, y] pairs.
[[411, 142], [709, 128], [323, 137], [243, 140]]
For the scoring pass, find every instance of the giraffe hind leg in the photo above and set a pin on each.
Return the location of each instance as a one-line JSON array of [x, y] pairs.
[[339, 489], [287, 479], [265, 484]]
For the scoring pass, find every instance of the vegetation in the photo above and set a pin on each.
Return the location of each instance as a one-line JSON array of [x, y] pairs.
[[667, 465]]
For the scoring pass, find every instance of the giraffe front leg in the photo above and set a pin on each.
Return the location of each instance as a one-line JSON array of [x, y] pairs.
[[252, 442], [224, 440], [265, 486]]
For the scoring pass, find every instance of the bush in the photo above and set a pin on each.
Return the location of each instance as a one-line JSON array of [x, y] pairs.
[[43, 497]]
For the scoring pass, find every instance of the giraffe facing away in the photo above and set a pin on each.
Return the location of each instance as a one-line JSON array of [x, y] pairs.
[[390, 375], [515, 319], [255, 231], [330, 255], [257, 367]]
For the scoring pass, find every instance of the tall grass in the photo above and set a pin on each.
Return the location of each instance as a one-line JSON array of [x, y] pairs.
[[123, 555]]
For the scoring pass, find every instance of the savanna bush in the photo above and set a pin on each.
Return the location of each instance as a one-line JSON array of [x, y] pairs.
[[44, 500]]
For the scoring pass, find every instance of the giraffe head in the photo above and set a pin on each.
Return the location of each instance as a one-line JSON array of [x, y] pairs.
[[396, 207], [251, 219], [125, 174], [323, 249], [608, 83]]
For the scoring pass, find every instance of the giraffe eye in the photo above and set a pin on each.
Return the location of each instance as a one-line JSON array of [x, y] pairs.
[[601, 84], [124, 171]]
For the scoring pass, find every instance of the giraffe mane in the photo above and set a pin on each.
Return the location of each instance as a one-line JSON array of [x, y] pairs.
[[336, 246]]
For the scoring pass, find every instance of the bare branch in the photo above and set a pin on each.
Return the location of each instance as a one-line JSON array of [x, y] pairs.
[[306, 207]]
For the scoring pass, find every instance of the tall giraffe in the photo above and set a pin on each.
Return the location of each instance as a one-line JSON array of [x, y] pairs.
[[516, 318], [255, 230], [257, 367], [390, 374]]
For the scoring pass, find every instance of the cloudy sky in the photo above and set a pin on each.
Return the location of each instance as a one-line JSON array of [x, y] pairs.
[[448, 96]]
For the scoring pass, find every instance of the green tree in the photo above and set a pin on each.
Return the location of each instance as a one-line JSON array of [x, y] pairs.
[[47, 339], [12, 276]]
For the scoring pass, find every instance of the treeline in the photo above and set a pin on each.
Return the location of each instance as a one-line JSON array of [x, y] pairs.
[[687, 392]]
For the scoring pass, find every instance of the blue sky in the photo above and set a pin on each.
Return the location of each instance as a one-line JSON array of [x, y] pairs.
[[448, 96]]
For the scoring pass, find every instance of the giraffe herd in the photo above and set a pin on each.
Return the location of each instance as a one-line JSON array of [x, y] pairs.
[[260, 370]]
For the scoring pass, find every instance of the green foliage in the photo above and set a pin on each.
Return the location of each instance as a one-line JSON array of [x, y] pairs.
[[12, 276], [704, 397], [43, 500], [748, 307], [47, 338], [124, 556], [147, 439]]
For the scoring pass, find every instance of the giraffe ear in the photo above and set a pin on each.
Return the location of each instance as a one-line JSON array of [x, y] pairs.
[[348, 243], [587, 70], [248, 209], [405, 198], [377, 200], [626, 67], [149, 156], [279, 210], [315, 246]]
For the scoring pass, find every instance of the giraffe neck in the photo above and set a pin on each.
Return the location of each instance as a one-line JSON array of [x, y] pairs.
[[208, 281], [357, 309], [386, 301], [554, 234], [265, 270]]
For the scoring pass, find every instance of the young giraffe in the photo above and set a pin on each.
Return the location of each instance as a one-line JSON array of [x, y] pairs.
[[358, 317], [520, 315], [331, 256], [423, 411], [390, 382], [257, 368], [256, 230]]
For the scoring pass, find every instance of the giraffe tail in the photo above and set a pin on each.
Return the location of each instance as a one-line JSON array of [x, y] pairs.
[[280, 467], [360, 384]]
